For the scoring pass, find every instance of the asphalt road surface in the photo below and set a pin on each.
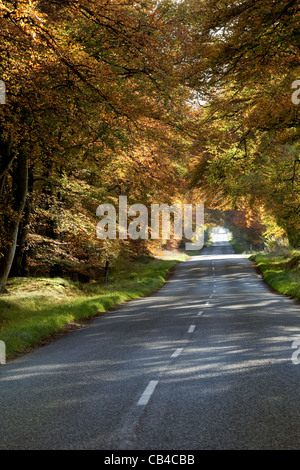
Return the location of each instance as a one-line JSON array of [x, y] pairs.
[[205, 363]]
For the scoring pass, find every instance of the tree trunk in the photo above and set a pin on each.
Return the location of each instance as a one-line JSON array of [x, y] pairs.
[[7, 158], [19, 266], [19, 262], [19, 193], [293, 237]]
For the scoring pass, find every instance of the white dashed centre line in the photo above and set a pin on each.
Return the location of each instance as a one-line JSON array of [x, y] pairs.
[[192, 329], [177, 352], [147, 393]]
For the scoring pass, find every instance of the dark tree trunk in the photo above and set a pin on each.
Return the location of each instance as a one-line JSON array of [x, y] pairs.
[[19, 193], [19, 266], [7, 158], [294, 237]]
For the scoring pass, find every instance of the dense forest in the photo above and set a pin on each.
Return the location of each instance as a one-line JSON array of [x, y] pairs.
[[162, 101]]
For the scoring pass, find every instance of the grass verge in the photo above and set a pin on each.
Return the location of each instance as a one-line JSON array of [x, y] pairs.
[[35, 309], [282, 273]]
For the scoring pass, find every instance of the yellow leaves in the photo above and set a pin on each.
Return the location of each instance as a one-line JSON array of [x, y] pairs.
[[26, 16]]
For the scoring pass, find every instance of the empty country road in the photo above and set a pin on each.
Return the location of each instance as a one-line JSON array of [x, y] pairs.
[[203, 364]]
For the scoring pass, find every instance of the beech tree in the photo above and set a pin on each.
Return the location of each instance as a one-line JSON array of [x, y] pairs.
[[243, 57], [109, 98], [88, 84]]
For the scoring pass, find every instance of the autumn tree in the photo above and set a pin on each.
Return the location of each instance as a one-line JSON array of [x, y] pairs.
[[243, 57], [89, 85]]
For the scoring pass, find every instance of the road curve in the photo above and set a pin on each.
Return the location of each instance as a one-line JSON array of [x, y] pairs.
[[203, 364]]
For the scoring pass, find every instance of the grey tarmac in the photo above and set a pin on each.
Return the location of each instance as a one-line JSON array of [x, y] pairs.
[[156, 374]]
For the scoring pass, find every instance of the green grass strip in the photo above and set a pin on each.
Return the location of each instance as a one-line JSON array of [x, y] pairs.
[[37, 308], [282, 273]]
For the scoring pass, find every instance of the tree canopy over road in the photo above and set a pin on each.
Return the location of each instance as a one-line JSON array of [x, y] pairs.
[[161, 101]]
